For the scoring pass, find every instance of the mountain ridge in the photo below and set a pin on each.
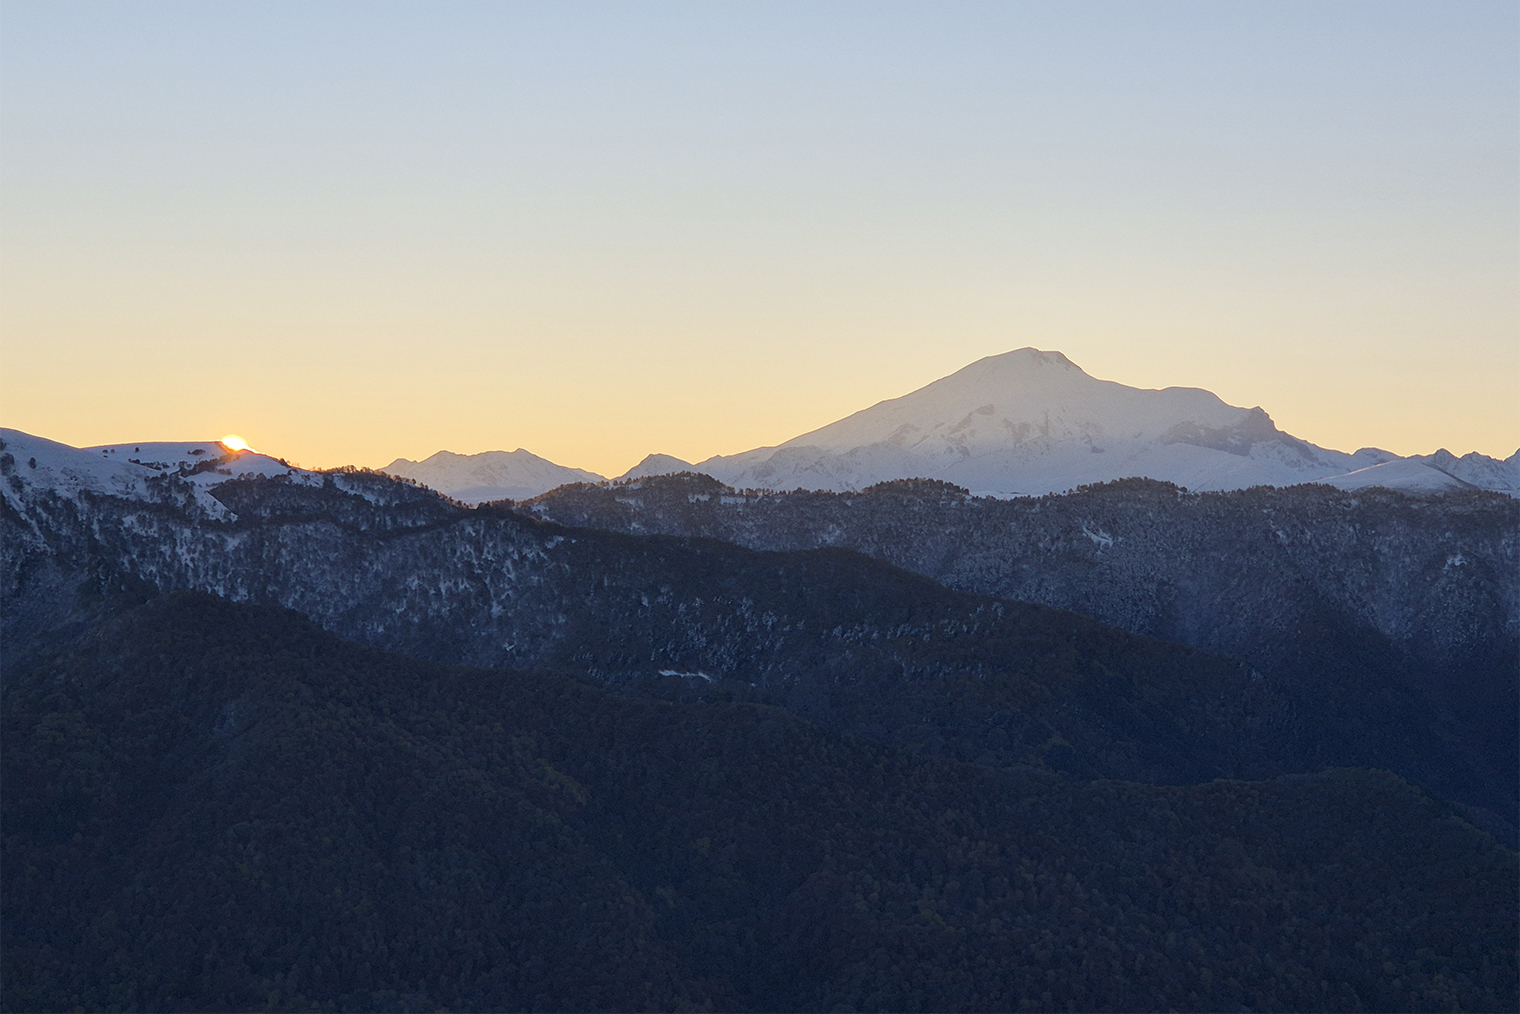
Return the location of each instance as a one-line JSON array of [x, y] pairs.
[[1023, 423], [821, 628], [489, 475], [680, 757]]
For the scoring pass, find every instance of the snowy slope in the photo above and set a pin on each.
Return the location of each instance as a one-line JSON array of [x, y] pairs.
[[1441, 472], [144, 471], [1034, 422], [1409, 475], [1479, 469], [491, 475]]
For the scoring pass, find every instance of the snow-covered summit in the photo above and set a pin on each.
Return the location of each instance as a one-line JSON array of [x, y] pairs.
[[490, 475], [1479, 469], [1032, 421], [1028, 396], [140, 471]]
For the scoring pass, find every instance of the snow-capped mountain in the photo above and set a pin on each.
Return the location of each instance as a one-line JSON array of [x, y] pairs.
[[1033, 422], [143, 471], [491, 475], [1025, 422], [1478, 469], [1441, 472]]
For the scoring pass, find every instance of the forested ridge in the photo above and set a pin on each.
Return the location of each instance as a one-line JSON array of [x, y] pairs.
[[216, 806], [569, 768], [830, 634], [1393, 618]]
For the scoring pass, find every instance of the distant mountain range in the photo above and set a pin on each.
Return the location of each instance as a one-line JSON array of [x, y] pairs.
[[1023, 423], [1370, 630], [491, 475]]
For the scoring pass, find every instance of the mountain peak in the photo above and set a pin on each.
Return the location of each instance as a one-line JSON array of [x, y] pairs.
[[1025, 358], [489, 475], [657, 464], [1032, 421]]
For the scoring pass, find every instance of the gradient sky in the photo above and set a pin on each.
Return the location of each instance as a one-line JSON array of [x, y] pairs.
[[351, 232]]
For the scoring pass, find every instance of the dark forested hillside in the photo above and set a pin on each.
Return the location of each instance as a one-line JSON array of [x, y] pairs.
[[1232, 572], [830, 634], [1357, 605], [220, 807], [687, 774]]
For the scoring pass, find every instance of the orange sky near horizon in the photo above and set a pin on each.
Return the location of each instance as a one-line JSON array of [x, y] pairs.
[[626, 409]]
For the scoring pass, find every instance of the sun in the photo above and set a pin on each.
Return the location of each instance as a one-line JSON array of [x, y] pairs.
[[233, 443]]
